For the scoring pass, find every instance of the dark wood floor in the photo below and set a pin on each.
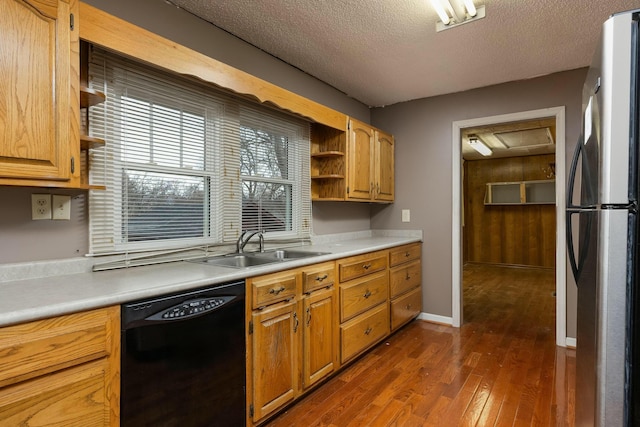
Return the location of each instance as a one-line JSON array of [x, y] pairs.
[[501, 368]]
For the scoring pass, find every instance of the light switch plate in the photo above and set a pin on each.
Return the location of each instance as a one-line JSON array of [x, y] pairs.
[[61, 207], [406, 215]]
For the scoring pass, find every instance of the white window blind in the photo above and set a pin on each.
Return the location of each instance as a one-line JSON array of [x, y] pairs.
[[186, 166]]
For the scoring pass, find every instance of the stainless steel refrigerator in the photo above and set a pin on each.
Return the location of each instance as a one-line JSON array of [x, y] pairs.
[[602, 231]]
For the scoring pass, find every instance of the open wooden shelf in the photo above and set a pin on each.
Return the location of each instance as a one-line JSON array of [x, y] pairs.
[[90, 97], [88, 142], [331, 176], [324, 154]]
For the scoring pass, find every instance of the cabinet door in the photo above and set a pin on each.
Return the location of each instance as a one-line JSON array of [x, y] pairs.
[[74, 397], [35, 91], [384, 167], [320, 346], [275, 357], [360, 161], [61, 371]]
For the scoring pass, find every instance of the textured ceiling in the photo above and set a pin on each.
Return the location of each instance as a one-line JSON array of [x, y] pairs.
[[381, 52]]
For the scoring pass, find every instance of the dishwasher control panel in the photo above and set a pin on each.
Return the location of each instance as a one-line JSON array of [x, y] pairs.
[[193, 307]]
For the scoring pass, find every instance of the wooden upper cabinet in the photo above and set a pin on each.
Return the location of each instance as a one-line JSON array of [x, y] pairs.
[[384, 166], [360, 161], [37, 99], [370, 164]]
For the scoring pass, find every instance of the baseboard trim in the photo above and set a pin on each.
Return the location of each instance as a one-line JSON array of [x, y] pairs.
[[570, 342], [434, 318]]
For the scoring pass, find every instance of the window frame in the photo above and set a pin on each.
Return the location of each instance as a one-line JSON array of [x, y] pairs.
[[219, 173]]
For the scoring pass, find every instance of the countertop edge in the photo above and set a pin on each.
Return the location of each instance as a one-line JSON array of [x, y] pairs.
[[44, 297]]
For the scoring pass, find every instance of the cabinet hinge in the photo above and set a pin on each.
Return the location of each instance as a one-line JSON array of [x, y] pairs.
[[251, 410], [250, 327], [72, 23]]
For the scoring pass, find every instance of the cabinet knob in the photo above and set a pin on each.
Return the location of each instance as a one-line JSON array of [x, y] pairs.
[[367, 294], [321, 278], [408, 277], [366, 266], [368, 331], [277, 291], [407, 254]]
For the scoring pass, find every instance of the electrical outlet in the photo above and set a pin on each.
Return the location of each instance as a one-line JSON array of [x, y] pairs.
[[61, 207], [40, 206], [406, 215]]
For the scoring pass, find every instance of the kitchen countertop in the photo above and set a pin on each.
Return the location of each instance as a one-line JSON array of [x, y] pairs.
[[38, 298]]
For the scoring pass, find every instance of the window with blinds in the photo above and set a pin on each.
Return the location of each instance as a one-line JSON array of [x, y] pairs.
[[187, 166]]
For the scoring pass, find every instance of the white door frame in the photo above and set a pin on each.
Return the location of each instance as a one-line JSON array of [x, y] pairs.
[[561, 264]]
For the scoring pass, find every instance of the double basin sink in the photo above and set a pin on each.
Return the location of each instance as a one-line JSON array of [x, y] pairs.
[[252, 259]]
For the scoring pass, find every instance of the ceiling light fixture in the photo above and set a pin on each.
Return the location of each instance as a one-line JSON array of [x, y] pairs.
[[456, 12], [479, 146]]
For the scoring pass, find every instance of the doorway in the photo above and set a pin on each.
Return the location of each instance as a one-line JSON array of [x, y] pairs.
[[557, 115]]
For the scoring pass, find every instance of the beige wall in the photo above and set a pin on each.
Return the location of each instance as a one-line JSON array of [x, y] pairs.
[[423, 132]]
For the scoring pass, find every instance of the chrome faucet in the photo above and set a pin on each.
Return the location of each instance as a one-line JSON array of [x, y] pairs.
[[244, 239]]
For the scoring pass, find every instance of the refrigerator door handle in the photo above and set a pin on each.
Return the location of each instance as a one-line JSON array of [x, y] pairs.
[[576, 267], [572, 175]]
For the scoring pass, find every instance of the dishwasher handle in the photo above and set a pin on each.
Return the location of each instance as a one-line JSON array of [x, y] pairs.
[[191, 308]]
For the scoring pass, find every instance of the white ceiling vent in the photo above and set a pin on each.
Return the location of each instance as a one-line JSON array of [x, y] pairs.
[[527, 138]]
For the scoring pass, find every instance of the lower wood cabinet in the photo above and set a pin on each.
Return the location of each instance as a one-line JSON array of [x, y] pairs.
[[293, 337], [405, 308], [61, 371], [363, 331], [305, 323], [319, 350], [275, 364], [405, 283]]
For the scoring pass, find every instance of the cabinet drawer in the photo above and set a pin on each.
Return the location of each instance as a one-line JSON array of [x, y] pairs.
[[273, 288], [318, 276], [405, 308], [404, 254], [361, 265], [73, 397], [359, 295], [37, 348], [364, 331], [403, 278]]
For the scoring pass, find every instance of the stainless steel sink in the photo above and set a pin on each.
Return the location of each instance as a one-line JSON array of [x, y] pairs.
[[253, 259], [286, 254], [235, 261]]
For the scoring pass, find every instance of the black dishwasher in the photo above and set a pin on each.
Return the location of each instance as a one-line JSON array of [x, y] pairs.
[[183, 359]]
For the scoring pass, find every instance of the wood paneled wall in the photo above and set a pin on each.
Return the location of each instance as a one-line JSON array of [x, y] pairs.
[[514, 235]]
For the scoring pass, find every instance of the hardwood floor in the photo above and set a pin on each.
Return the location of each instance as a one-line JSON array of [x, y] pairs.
[[501, 368]]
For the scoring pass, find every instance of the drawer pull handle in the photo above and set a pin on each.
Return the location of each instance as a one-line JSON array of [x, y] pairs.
[[321, 278], [295, 322], [368, 331], [407, 254], [308, 315], [408, 277], [367, 294], [408, 306], [277, 291], [366, 266]]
